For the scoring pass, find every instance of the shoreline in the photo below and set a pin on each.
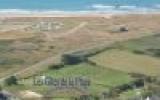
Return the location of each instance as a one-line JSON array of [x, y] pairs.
[[71, 14]]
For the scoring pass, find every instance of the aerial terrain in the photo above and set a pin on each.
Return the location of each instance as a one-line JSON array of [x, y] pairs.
[[118, 54]]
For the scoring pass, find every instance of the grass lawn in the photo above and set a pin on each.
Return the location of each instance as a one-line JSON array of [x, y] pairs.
[[145, 44], [101, 78], [61, 99], [128, 62], [130, 93]]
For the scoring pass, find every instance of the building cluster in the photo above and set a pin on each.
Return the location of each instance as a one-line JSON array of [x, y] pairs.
[[45, 26]]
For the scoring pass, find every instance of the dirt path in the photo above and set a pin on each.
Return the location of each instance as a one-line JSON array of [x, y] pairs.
[[47, 62], [43, 65], [73, 30], [49, 36], [38, 67]]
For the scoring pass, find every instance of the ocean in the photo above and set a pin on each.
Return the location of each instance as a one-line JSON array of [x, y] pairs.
[[80, 5]]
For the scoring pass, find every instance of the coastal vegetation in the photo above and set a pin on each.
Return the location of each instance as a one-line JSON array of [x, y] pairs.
[[118, 56]]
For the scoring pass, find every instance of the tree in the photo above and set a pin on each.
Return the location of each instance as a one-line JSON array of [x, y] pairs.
[[70, 59], [12, 80]]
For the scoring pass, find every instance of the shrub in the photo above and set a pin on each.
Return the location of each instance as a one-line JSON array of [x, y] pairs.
[[12, 80], [138, 76], [139, 83], [70, 59], [56, 66], [147, 93], [123, 29], [155, 52], [138, 52], [124, 87], [114, 92]]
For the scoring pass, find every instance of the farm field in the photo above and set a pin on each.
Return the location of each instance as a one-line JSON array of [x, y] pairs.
[[148, 45], [30, 46], [101, 80], [133, 56], [128, 62], [23, 38], [38, 39]]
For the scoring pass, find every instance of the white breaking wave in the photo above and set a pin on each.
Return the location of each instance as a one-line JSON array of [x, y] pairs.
[[124, 8], [128, 7], [23, 11], [14, 10], [101, 6], [95, 8], [44, 12]]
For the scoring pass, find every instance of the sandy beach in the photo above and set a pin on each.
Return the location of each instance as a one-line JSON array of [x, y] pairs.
[[62, 14], [55, 14]]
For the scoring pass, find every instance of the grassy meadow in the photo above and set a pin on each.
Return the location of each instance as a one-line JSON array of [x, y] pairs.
[[128, 62], [108, 69], [101, 78], [133, 56], [111, 68]]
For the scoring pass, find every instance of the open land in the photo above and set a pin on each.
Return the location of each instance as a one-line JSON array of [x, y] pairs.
[[32, 45]]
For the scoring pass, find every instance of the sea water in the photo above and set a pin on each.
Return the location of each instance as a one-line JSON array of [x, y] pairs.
[[80, 5]]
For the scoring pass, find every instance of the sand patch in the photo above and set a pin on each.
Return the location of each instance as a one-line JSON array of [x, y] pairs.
[[30, 94]]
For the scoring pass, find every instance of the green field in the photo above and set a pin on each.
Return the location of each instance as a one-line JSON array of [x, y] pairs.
[[106, 55], [108, 69], [101, 78], [128, 62], [149, 45], [129, 94], [133, 56]]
